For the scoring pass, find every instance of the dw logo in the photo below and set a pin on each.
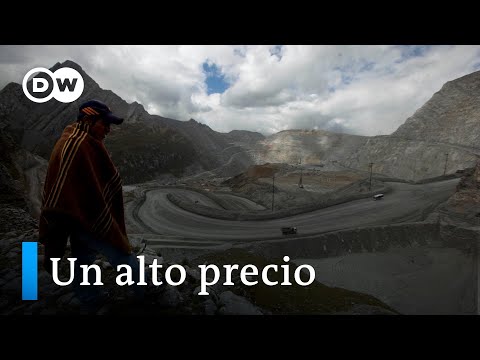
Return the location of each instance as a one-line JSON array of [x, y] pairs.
[[65, 85]]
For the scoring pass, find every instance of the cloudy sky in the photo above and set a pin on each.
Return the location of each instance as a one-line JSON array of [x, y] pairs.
[[365, 90]]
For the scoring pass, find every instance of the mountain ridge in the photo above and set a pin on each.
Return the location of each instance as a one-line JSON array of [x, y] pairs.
[[451, 115], [193, 146], [446, 123]]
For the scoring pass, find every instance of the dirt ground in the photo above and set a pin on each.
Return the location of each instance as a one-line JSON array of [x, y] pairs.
[[316, 181], [256, 183]]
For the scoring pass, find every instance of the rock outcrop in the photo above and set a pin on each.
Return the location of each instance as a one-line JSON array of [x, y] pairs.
[[463, 207], [21, 183], [451, 116]]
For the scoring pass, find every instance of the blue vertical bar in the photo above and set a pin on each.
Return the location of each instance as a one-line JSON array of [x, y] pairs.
[[29, 271]]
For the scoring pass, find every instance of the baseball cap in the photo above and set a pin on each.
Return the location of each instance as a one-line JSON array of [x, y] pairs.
[[95, 107]]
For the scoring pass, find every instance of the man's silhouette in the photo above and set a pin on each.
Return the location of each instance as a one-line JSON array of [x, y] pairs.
[[83, 200]]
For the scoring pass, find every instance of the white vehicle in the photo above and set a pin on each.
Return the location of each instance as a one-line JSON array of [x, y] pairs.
[[378, 197]]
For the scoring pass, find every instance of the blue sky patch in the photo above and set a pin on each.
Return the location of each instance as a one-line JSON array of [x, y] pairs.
[[277, 51], [346, 73], [240, 51], [367, 66], [215, 80], [410, 51]]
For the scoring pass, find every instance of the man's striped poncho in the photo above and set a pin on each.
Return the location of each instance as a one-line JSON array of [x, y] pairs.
[[83, 184]]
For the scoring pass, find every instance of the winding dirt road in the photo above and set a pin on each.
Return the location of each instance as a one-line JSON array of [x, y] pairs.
[[163, 222]]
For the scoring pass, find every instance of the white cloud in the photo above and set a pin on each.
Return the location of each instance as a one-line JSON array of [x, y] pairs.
[[365, 90]]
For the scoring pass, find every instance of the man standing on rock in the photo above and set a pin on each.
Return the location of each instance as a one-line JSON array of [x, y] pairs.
[[83, 200]]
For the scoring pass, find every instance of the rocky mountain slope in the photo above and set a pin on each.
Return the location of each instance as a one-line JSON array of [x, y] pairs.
[[451, 116], [391, 155], [21, 179], [463, 207], [449, 123], [156, 145], [307, 147], [244, 136], [409, 159]]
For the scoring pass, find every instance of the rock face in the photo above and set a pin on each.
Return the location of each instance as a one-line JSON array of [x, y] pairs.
[[144, 153], [307, 147], [409, 159], [143, 147], [463, 207], [10, 178], [448, 123], [392, 156], [21, 183], [451, 116], [243, 136]]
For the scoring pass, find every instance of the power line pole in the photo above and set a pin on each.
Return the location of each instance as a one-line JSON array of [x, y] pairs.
[[414, 169], [273, 191], [446, 160], [300, 182], [370, 186]]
